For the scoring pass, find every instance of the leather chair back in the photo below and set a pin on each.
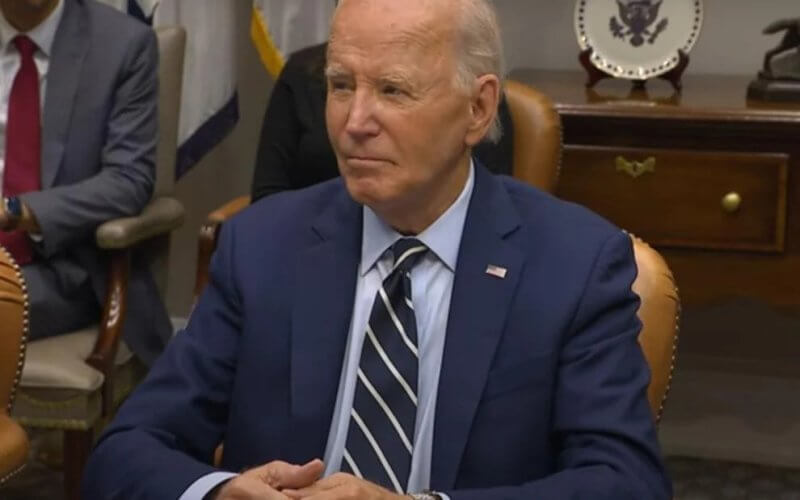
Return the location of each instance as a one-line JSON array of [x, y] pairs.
[[171, 45], [171, 48], [537, 161], [660, 315], [537, 136], [13, 331]]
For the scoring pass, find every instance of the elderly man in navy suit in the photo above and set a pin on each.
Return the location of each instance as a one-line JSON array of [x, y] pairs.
[[418, 328], [78, 119]]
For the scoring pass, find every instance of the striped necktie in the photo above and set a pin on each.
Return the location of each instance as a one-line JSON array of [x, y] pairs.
[[380, 438]]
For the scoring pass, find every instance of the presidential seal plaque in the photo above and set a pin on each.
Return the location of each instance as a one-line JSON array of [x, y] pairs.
[[637, 39]]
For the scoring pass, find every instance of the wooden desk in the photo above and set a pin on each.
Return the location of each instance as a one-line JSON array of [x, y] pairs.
[[709, 178]]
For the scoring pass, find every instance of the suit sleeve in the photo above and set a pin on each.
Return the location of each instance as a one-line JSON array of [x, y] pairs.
[[164, 436], [124, 183], [608, 448]]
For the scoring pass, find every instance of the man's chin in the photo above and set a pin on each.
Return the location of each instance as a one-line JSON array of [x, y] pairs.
[[364, 196], [368, 194]]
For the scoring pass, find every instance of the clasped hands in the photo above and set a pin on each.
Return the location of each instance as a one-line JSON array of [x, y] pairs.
[[283, 481]]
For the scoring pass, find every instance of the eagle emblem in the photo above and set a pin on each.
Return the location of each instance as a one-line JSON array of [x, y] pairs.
[[635, 20]]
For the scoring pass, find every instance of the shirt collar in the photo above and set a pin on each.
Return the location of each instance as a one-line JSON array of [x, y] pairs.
[[42, 35], [443, 237]]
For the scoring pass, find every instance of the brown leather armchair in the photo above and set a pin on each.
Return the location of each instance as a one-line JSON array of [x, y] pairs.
[[73, 382], [537, 136], [537, 161], [13, 331], [660, 315]]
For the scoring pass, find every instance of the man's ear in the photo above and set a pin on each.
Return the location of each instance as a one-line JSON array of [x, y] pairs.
[[483, 107]]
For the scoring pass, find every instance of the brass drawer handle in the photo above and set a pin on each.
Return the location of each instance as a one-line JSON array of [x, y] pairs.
[[731, 202], [636, 168]]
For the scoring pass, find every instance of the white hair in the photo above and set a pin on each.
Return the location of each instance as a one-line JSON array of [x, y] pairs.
[[479, 50]]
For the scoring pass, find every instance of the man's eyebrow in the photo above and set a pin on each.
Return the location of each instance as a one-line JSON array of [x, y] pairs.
[[335, 71], [391, 76], [398, 77]]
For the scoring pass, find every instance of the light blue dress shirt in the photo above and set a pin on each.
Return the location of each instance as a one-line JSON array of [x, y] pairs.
[[431, 289]]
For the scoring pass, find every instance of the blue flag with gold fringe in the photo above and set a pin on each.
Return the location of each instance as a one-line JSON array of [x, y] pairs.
[[209, 102]]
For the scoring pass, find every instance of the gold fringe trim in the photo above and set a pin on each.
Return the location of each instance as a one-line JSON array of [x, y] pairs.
[[270, 55], [67, 424]]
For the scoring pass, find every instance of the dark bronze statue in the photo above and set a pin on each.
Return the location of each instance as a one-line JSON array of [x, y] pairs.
[[791, 41], [779, 79]]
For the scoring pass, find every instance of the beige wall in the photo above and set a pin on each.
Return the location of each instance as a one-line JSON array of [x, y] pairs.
[[536, 32], [225, 173], [540, 33]]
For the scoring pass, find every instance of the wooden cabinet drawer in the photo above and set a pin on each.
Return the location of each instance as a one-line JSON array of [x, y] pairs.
[[683, 198]]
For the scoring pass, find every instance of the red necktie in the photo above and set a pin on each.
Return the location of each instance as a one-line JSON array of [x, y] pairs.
[[23, 160]]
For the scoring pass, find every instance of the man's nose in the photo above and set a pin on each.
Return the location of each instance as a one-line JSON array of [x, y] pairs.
[[361, 122]]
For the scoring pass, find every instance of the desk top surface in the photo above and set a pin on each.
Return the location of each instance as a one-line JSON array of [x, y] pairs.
[[711, 97]]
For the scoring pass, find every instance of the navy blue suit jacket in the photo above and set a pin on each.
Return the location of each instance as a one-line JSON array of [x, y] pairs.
[[542, 388]]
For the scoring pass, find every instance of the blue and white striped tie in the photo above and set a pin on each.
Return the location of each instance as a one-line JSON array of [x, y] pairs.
[[380, 438]]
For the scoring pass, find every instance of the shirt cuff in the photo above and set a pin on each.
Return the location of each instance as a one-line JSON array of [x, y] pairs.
[[200, 488], [444, 496]]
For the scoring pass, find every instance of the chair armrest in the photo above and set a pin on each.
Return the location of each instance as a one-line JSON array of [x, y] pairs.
[[228, 210], [160, 216], [207, 240], [115, 306]]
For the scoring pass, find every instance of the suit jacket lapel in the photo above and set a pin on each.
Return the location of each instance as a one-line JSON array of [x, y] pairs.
[[479, 305], [69, 50], [320, 321]]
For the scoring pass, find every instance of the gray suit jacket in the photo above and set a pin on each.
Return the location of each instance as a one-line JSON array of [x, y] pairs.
[[98, 155]]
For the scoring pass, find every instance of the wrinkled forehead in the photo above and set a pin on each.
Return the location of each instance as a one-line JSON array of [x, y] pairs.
[[391, 25]]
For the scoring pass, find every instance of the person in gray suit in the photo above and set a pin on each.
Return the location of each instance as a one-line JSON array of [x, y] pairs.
[[87, 157]]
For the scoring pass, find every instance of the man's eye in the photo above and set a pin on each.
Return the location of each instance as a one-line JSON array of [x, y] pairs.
[[339, 85], [392, 90]]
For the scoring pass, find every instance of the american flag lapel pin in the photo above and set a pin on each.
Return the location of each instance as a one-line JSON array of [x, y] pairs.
[[496, 271]]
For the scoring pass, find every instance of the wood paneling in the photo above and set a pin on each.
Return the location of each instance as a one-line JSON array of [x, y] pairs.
[[707, 141], [675, 198]]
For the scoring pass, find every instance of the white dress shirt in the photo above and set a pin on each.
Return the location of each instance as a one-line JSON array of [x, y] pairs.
[[43, 36]]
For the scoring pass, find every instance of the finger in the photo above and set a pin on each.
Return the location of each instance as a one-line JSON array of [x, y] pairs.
[[301, 493], [271, 494], [250, 487], [267, 473], [270, 473], [332, 494], [279, 474], [302, 476], [322, 485], [275, 495], [307, 491], [311, 494]]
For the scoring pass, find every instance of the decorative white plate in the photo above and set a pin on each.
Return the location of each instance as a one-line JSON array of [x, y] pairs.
[[637, 39]]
